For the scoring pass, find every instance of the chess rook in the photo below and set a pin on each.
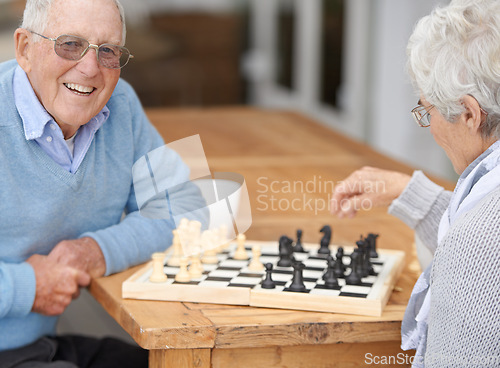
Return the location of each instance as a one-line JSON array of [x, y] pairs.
[[174, 260], [158, 275]]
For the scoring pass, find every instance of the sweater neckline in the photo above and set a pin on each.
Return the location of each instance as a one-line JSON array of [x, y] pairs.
[[74, 180]]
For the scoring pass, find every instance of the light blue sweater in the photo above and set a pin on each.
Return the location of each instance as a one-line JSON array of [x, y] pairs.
[[42, 203]]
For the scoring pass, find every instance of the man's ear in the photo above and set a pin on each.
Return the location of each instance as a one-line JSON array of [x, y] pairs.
[[473, 114], [22, 43]]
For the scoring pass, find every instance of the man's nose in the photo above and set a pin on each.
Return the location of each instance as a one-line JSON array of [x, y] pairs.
[[89, 64]]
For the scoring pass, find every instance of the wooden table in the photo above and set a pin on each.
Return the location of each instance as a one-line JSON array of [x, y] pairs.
[[289, 163]]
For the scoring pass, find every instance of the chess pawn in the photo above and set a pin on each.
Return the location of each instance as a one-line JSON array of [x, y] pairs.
[[255, 263], [298, 278], [174, 260], [196, 269], [328, 259], [353, 278], [330, 278], [268, 282], [241, 253], [158, 275], [183, 274], [338, 268]]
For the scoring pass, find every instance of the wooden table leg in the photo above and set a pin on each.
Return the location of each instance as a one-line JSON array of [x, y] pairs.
[[186, 358]]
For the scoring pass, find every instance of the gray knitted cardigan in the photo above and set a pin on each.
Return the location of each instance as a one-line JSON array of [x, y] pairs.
[[464, 319]]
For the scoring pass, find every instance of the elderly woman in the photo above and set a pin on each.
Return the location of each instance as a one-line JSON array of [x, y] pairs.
[[453, 317]]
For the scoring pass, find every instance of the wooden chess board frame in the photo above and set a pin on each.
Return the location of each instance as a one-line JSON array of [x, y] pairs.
[[138, 286]]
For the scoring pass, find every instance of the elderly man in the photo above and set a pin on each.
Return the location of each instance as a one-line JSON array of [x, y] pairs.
[[71, 131]]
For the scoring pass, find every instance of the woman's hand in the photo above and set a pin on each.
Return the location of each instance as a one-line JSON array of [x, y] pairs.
[[366, 188]]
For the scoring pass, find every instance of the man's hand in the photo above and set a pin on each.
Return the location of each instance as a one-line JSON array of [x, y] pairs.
[[56, 285], [366, 188], [83, 254]]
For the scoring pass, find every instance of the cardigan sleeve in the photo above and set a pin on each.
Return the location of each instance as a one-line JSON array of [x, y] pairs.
[[421, 206], [139, 234], [17, 289], [464, 326]]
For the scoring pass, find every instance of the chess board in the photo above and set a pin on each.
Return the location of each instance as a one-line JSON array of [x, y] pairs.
[[231, 282]]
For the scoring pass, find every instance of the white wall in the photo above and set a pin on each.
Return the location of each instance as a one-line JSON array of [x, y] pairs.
[[390, 127], [376, 97]]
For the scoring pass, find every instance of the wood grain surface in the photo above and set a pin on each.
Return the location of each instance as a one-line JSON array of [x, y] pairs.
[[274, 151]]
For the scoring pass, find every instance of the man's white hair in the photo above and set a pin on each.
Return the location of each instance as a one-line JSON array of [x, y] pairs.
[[454, 52], [36, 16]]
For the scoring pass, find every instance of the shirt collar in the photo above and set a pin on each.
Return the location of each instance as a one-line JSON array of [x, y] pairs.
[[34, 115]]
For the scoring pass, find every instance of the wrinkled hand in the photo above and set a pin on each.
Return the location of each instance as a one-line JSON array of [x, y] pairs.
[[83, 254], [56, 285], [366, 188]]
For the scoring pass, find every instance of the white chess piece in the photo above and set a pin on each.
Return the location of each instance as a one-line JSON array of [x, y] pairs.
[[194, 231], [223, 241], [183, 274], [255, 263], [241, 252], [158, 275], [174, 260], [196, 269], [183, 233]]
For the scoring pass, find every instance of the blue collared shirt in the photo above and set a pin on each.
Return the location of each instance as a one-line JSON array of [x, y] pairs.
[[42, 128]]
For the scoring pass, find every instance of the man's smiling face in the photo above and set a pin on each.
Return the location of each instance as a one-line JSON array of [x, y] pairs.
[[73, 92]]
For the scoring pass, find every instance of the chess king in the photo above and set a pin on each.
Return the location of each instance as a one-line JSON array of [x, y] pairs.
[[453, 310], [71, 131]]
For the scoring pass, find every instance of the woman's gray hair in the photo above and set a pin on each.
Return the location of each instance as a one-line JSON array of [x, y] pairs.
[[36, 16], [454, 52]]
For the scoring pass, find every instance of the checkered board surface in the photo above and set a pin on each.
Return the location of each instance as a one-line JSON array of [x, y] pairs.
[[231, 282]]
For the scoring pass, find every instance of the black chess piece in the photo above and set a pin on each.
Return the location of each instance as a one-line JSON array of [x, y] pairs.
[[363, 268], [367, 263], [331, 281], [359, 263], [268, 282], [328, 265], [340, 257], [298, 244], [372, 240], [298, 278], [285, 252], [353, 278], [339, 268], [325, 240]]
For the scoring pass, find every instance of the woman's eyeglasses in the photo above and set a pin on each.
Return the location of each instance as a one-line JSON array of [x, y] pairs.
[[422, 116]]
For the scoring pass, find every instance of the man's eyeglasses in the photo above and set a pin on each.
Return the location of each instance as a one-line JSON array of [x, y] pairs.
[[422, 116], [74, 48]]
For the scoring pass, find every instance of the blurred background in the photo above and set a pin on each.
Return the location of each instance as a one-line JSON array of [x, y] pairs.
[[340, 62]]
